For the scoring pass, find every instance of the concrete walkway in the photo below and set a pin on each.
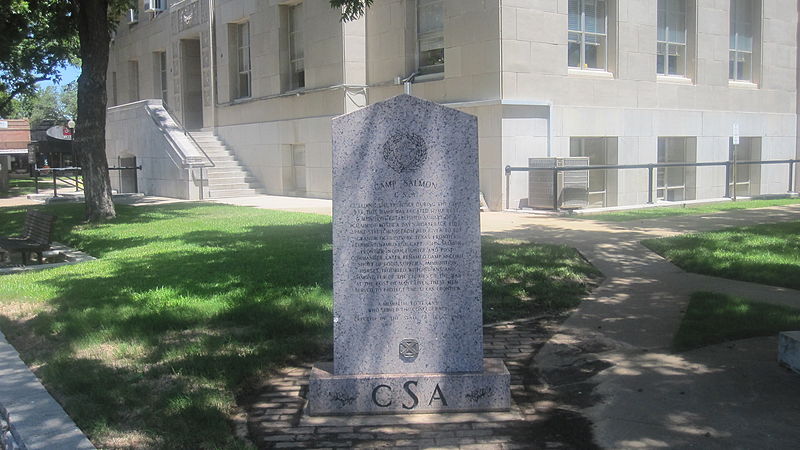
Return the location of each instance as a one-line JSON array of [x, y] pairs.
[[727, 396]]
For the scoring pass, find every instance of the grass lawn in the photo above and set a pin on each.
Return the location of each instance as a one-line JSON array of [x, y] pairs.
[[713, 318], [148, 346], [19, 186], [766, 254], [669, 211]]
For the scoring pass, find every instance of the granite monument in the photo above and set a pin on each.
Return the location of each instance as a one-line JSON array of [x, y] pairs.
[[408, 334]]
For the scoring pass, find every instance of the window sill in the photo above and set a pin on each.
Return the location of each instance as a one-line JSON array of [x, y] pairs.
[[241, 100], [429, 77], [590, 73], [742, 84], [674, 79]]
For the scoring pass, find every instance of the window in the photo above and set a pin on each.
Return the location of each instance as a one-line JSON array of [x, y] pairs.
[[746, 177], [600, 150], [242, 60], [160, 75], [299, 169], [676, 183], [297, 71], [133, 81], [114, 101], [671, 47], [430, 36], [744, 30], [133, 15], [588, 36]]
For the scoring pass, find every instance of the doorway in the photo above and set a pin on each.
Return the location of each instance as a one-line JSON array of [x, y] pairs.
[[127, 178], [192, 84]]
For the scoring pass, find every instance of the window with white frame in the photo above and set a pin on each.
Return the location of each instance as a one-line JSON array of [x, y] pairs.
[[243, 60], [160, 82], [114, 101], [430, 36], [299, 168], [744, 30], [588, 34], [671, 45], [601, 151], [297, 70], [133, 81], [676, 183]]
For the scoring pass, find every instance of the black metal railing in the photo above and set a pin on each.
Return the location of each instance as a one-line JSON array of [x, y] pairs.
[[730, 174], [69, 176]]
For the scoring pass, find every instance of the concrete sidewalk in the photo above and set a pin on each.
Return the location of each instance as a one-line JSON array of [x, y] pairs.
[[727, 396], [35, 418]]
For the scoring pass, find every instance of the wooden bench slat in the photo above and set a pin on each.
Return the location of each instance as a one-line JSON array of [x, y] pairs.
[[36, 235]]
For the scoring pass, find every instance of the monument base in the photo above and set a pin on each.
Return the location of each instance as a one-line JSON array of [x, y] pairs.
[[330, 394]]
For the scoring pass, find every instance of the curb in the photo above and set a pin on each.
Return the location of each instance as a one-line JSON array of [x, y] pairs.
[[35, 419]]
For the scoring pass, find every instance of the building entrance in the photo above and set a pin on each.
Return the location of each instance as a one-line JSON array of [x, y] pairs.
[[192, 84]]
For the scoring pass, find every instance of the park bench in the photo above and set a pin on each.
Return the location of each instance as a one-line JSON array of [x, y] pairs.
[[35, 237]]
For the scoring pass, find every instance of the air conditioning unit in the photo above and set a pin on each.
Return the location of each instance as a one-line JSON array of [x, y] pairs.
[[133, 16], [572, 186], [155, 5]]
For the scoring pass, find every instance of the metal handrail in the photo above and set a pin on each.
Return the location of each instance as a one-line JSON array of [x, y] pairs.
[[185, 132], [188, 134], [731, 164], [197, 145]]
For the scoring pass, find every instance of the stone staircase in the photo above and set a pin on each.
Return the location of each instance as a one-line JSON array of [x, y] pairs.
[[229, 178]]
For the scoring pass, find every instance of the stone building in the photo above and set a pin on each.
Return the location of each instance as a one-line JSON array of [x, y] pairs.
[[619, 81]]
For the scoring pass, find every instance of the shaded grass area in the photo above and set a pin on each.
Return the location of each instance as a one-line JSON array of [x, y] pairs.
[[713, 318], [19, 186], [148, 346], [670, 211], [766, 254]]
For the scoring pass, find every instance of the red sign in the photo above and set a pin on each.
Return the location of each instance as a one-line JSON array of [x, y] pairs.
[[59, 132]]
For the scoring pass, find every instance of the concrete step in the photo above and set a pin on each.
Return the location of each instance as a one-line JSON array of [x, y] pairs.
[[209, 142], [213, 187], [215, 149], [221, 158], [213, 193], [237, 178], [227, 164], [228, 177], [226, 173]]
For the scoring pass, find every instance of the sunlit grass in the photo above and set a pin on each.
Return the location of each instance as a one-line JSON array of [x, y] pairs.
[[521, 279], [713, 318], [670, 211], [767, 254], [188, 304]]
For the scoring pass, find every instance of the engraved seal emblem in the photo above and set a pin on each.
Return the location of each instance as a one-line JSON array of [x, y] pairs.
[[409, 349], [405, 152]]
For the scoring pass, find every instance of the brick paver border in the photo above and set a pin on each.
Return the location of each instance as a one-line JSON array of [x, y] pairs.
[[543, 421]]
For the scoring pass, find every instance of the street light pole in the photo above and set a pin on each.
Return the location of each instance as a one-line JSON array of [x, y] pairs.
[[71, 126]]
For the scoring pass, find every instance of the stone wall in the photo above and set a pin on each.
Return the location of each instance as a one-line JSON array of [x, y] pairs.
[[131, 131]]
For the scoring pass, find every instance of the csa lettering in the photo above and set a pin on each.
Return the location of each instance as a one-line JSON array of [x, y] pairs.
[[383, 397]]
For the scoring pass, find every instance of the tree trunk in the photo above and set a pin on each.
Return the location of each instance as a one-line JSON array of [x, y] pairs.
[[90, 132]]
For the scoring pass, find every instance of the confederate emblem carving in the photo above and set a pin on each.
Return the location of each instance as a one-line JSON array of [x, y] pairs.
[[405, 152], [409, 349]]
